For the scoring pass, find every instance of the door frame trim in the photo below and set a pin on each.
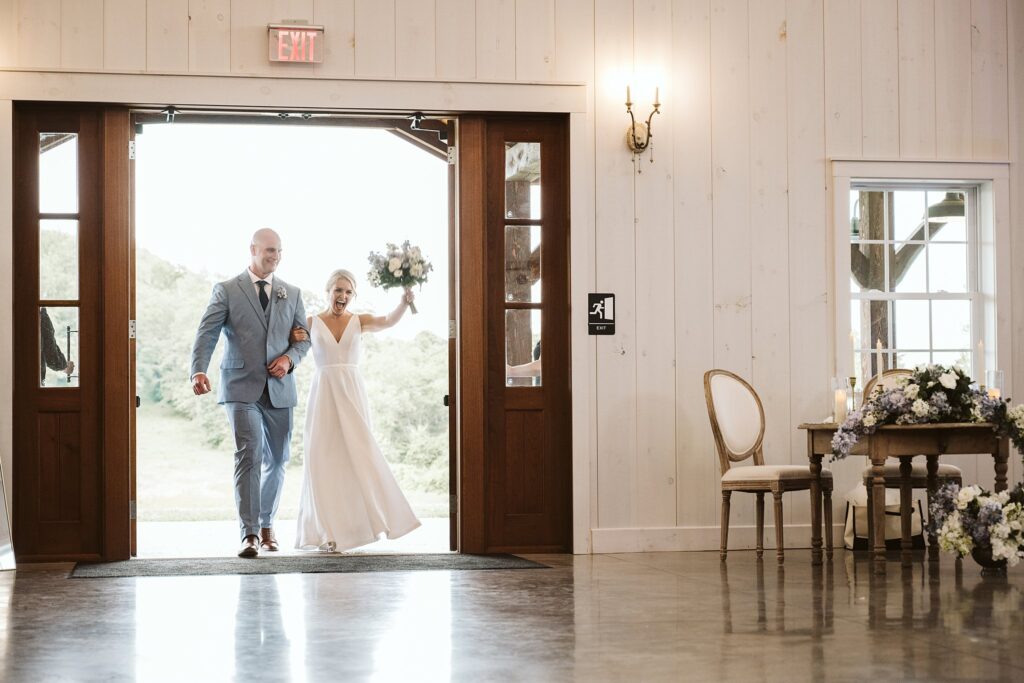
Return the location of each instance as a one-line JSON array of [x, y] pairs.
[[234, 92]]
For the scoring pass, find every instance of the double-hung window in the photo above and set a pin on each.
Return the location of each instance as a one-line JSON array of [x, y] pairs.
[[922, 266], [914, 283]]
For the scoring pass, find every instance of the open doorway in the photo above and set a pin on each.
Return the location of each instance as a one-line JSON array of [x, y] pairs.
[[334, 193]]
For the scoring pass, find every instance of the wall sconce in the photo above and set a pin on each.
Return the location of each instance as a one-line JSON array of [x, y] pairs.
[[638, 135]]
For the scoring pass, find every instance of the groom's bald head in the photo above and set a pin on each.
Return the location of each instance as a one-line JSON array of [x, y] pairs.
[[266, 251]]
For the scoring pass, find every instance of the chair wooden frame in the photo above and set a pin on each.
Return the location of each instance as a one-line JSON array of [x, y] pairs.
[[893, 478], [727, 457]]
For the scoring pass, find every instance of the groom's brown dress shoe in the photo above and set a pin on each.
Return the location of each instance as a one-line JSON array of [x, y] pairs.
[[249, 547], [267, 540]]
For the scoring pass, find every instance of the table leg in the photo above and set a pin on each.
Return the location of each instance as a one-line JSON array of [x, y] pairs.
[[933, 487], [1001, 456], [815, 463], [878, 457], [906, 510]]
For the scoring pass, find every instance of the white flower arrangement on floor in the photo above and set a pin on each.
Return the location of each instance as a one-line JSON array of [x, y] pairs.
[[972, 518]]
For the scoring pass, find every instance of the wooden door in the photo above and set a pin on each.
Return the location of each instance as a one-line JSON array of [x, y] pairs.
[[516, 466], [453, 356], [72, 405]]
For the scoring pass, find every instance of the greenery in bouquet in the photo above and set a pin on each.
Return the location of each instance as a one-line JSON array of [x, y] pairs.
[[971, 517], [932, 393], [399, 266]]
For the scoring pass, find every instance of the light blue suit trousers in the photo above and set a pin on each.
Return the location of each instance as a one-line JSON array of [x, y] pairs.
[[258, 406]]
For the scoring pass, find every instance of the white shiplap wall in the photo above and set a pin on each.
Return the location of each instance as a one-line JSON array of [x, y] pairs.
[[718, 252]]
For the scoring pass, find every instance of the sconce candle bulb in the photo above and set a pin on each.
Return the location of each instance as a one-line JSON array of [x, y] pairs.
[[638, 135]]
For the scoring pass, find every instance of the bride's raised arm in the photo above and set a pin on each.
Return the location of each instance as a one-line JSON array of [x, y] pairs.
[[373, 323]]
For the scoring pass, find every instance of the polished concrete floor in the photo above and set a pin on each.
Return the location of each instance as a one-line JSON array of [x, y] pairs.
[[636, 617], [220, 539]]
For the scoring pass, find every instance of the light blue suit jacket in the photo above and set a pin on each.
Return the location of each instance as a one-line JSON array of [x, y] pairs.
[[253, 338]]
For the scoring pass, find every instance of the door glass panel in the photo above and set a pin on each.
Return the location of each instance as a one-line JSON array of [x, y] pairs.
[[522, 263], [522, 349], [522, 180], [58, 346], [58, 259], [58, 173]]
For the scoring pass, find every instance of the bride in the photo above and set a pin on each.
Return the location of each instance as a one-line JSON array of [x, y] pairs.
[[349, 495]]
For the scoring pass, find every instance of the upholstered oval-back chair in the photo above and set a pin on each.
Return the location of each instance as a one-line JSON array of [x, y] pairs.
[[889, 379], [737, 422]]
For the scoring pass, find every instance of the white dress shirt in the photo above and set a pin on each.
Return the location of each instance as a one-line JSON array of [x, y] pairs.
[[256, 278]]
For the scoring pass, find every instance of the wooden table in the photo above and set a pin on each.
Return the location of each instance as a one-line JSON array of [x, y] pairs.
[[903, 442]]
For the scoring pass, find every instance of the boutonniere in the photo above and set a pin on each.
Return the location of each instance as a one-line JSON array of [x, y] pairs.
[[282, 293]]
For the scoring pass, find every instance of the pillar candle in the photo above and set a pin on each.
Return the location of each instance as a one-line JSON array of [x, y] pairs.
[[839, 412], [853, 350], [878, 356]]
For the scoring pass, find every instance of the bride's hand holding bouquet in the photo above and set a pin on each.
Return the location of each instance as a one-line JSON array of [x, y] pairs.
[[399, 266]]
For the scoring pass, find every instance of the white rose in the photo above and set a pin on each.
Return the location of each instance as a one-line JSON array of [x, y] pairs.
[[911, 391], [966, 495], [416, 270], [869, 420], [395, 264], [920, 408], [948, 380]]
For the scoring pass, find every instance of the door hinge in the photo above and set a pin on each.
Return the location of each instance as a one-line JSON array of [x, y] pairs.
[[453, 504], [131, 509], [131, 149], [451, 155], [451, 329], [131, 329]]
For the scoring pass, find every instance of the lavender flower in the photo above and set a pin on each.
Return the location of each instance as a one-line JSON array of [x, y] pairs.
[[972, 517]]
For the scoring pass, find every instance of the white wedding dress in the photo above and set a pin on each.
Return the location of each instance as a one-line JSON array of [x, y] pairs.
[[349, 495]]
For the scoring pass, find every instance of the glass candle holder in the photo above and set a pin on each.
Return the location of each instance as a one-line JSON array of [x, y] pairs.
[[994, 383], [840, 395]]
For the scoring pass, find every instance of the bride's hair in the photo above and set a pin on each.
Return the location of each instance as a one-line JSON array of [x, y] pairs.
[[342, 274]]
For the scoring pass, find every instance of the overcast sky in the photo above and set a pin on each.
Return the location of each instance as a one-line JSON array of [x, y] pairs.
[[334, 194]]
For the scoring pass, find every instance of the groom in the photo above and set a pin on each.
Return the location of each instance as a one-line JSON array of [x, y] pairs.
[[256, 313]]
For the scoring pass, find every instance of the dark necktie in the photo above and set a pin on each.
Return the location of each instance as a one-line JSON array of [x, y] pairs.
[[264, 299]]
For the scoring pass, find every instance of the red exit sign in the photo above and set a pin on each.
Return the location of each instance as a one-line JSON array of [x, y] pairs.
[[298, 43]]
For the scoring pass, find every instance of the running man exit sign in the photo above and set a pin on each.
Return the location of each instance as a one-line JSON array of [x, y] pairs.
[[600, 313], [296, 43]]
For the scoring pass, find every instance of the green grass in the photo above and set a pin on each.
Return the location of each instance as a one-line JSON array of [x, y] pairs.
[[180, 478]]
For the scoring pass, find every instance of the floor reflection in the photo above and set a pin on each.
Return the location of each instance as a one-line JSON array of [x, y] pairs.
[[181, 632], [817, 621], [262, 644], [644, 616], [416, 643]]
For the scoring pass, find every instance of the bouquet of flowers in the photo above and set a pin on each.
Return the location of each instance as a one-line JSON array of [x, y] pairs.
[[402, 266], [971, 519], [933, 393]]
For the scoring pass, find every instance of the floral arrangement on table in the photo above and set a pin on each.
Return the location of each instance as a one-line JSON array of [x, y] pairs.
[[402, 266], [969, 519], [933, 393]]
